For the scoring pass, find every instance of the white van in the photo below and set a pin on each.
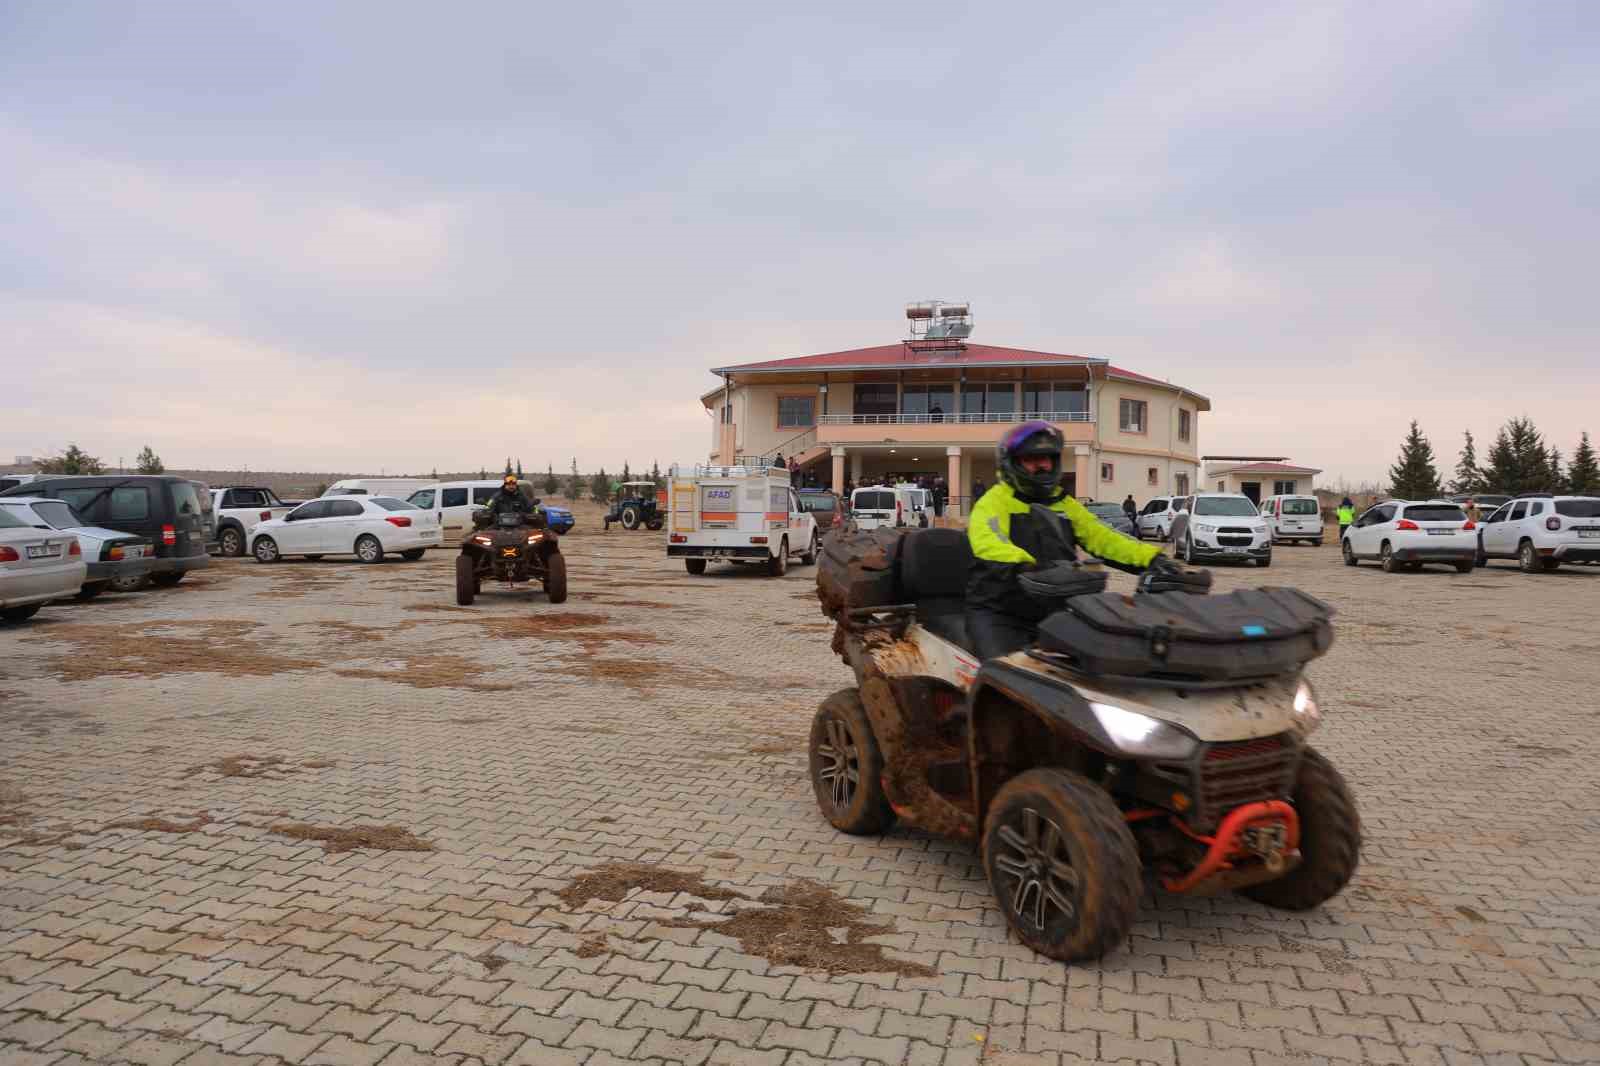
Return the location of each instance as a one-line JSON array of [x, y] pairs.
[[454, 501], [1293, 518], [398, 487], [875, 506]]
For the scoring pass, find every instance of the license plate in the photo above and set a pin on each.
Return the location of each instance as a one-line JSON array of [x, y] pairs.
[[1589, 534], [1440, 532], [1235, 551], [429, 534], [43, 551], [133, 553]]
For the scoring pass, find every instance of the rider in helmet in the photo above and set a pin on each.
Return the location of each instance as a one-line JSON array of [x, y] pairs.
[[1007, 539], [509, 499]]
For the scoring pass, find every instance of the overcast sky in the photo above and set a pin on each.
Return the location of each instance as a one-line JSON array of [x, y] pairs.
[[407, 236]]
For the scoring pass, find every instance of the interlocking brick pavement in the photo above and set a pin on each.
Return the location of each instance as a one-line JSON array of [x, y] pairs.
[[661, 718]]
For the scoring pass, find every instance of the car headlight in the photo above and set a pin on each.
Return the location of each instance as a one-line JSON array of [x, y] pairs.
[[1307, 715], [1203, 528], [1143, 736]]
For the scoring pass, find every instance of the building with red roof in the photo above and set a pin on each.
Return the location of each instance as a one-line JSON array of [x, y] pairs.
[[935, 408]]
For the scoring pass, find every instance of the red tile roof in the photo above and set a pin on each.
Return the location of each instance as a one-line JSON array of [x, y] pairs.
[[1265, 468], [902, 354]]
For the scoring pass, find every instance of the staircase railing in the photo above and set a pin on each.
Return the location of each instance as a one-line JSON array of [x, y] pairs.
[[794, 445]]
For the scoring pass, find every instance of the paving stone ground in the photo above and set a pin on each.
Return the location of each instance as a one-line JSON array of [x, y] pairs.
[[660, 718]]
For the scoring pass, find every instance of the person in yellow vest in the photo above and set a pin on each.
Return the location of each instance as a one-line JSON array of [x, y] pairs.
[[1347, 515], [1008, 538]]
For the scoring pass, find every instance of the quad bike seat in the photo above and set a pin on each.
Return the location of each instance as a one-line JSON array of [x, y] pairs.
[[934, 564]]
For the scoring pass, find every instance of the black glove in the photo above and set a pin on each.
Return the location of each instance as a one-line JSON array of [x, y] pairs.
[[1164, 575]]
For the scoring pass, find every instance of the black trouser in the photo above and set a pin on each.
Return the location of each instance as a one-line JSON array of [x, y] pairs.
[[994, 633]]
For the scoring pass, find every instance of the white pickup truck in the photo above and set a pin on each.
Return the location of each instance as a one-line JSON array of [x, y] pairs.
[[239, 509], [745, 513]]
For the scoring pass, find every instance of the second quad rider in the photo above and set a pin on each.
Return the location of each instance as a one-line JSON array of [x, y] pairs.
[[1009, 538]]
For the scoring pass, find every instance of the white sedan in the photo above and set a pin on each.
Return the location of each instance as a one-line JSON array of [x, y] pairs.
[[36, 567], [1404, 534], [367, 527]]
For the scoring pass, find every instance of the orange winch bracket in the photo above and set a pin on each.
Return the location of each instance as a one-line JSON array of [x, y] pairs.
[[1225, 844]]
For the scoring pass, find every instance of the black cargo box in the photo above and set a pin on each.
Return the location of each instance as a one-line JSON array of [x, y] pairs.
[[1251, 633]]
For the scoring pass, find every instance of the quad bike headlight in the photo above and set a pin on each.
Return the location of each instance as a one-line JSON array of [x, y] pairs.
[[1141, 736], [1307, 715]]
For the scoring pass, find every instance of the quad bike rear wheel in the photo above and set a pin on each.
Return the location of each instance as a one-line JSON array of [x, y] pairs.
[[847, 767], [466, 580], [555, 581], [1330, 840], [1062, 863]]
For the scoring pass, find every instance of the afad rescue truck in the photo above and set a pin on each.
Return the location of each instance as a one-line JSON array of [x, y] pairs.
[[747, 513]]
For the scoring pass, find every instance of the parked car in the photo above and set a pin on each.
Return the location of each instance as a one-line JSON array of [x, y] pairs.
[[368, 527], [1488, 502], [1405, 534], [398, 487], [824, 507], [165, 510], [1542, 532], [36, 567], [1113, 515], [884, 505], [1293, 518], [1155, 518], [239, 509], [1220, 525], [109, 556], [11, 481]]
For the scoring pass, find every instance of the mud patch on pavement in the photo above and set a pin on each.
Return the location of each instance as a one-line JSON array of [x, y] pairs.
[[157, 824], [429, 670], [1541, 750], [471, 721], [320, 764], [490, 961], [345, 632], [292, 580], [803, 923], [777, 747], [350, 837], [151, 649], [601, 730], [244, 766], [592, 946], [438, 608]]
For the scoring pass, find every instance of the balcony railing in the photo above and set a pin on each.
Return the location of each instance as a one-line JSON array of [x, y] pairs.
[[959, 418]]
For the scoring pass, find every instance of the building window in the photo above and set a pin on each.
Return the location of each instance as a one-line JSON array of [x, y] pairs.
[[1185, 423], [933, 400], [1222, 486], [877, 399], [1180, 484], [1283, 488], [1044, 400], [1133, 416], [1153, 476], [727, 414], [1108, 472], [797, 412]]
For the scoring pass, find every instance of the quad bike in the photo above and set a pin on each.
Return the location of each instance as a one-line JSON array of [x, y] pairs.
[[1161, 732], [636, 506], [514, 547]]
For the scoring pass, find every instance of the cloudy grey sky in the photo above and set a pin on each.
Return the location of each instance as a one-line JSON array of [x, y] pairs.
[[419, 235]]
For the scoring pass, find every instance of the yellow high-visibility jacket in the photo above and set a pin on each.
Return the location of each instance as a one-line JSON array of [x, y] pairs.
[[1006, 540]]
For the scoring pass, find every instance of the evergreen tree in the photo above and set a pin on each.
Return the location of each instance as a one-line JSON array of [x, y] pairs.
[[72, 461], [1583, 473], [435, 474], [552, 484], [655, 473], [1469, 478], [149, 462], [1556, 478], [600, 486], [519, 469], [483, 473], [1413, 476], [1517, 462], [627, 476], [575, 483]]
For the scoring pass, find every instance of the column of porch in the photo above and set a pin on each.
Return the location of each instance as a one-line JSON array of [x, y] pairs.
[[953, 480], [838, 469]]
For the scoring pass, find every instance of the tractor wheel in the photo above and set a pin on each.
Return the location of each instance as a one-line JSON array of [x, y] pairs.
[[630, 517], [555, 581], [655, 524], [1330, 840], [466, 580], [778, 565], [847, 767], [695, 566], [1062, 864]]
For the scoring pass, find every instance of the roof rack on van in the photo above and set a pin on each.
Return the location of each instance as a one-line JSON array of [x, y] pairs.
[[1545, 494]]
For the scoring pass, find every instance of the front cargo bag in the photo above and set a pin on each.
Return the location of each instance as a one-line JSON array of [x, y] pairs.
[[1251, 633], [859, 570]]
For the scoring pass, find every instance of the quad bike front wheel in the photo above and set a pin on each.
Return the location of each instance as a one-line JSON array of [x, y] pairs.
[[466, 580], [1330, 840], [1062, 864], [555, 579], [847, 767]]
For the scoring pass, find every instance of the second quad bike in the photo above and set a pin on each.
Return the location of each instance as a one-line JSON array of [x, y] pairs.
[[1161, 733], [511, 548], [636, 506]]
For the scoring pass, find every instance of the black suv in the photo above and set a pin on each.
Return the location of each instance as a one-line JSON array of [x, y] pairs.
[[168, 511]]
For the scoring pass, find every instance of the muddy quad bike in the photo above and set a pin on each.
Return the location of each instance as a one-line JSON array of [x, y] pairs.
[[636, 506], [1161, 732], [512, 548]]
